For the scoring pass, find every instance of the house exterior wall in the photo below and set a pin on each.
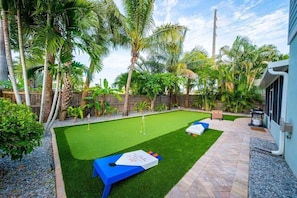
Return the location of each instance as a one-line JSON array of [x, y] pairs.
[[273, 127], [291, 144], [292, 21]]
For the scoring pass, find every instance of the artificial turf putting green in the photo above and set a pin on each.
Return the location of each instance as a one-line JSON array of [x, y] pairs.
[[178, 150], [108, 137]]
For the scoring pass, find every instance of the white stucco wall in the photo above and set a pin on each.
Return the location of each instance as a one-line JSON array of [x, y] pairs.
[[291, 144]]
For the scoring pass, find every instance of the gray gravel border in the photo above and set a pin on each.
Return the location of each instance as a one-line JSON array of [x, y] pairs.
[[269, 175], [32, 177]]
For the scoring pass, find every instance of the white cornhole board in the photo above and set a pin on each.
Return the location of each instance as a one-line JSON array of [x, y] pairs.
[[137, 158], [195, 129]]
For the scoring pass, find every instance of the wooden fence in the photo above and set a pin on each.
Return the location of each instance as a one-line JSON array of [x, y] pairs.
[[113, 101]]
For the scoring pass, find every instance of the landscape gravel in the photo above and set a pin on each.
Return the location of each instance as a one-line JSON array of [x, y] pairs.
[[33, 176], [269, 175]]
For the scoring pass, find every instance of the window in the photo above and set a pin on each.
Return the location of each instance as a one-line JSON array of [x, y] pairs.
[[274, 99]]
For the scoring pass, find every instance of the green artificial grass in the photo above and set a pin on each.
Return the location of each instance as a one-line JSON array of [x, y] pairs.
[[105, 138], [232, 117], [178, 150]]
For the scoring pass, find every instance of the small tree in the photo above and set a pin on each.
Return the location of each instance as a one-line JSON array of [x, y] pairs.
[[20, 131]]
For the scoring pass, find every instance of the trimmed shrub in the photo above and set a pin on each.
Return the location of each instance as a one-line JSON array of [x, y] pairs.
[[20, 131]]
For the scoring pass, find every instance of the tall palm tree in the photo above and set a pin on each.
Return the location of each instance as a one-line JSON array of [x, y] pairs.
[[3, 62], [138, 22], [194, 62], [106, 33], [67, 24], [71, 72], [19, 5], [242, 63], [4, 10]]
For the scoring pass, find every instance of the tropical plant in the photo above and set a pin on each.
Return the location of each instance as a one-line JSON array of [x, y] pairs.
[[75, 112], [109, 109], [138, 21], [161, 107], [194, 62], [72, 72], [65, 26], [20, 131], [121, 81], [141, 106], [105, 33], [102, 92], [152, 86], [238, 67]]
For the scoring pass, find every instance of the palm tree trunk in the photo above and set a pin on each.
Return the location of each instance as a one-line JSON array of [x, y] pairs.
[[153, 103], [22, 56], [66, 96], [45, 76], [54, 107], [9, 57], [126, 102], [85, 93], [169, 99], [49, 89], [187, 94], [3, 62]]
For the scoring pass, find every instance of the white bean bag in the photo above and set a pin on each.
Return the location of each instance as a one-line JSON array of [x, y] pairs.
[[195, 129]]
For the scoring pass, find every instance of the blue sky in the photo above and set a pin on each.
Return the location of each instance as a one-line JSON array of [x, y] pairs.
[[262, 21]]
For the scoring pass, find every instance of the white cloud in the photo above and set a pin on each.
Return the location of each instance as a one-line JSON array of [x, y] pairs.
[[268, 29]]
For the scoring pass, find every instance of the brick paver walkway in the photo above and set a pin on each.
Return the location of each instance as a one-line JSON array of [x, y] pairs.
[[223, 170]]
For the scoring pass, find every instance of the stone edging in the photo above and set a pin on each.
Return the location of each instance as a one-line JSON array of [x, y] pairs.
[[60, 188]]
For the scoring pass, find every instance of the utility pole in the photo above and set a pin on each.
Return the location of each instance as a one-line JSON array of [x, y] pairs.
[[214, 34]]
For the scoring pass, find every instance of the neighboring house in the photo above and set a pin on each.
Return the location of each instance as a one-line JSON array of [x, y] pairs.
[[280, 83]]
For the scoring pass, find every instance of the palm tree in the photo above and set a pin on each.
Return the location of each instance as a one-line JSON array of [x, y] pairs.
[[22, 53], [241, 65], [67, 24], [106, 32], [4, 10], [70, 71], [3, 62], [194, 61], [138, 22], [21, 11]]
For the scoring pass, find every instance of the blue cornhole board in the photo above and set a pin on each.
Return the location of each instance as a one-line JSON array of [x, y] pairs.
[[204, 124], [110, 172]]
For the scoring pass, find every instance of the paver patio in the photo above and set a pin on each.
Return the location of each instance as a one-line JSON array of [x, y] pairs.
[[223, 170]]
